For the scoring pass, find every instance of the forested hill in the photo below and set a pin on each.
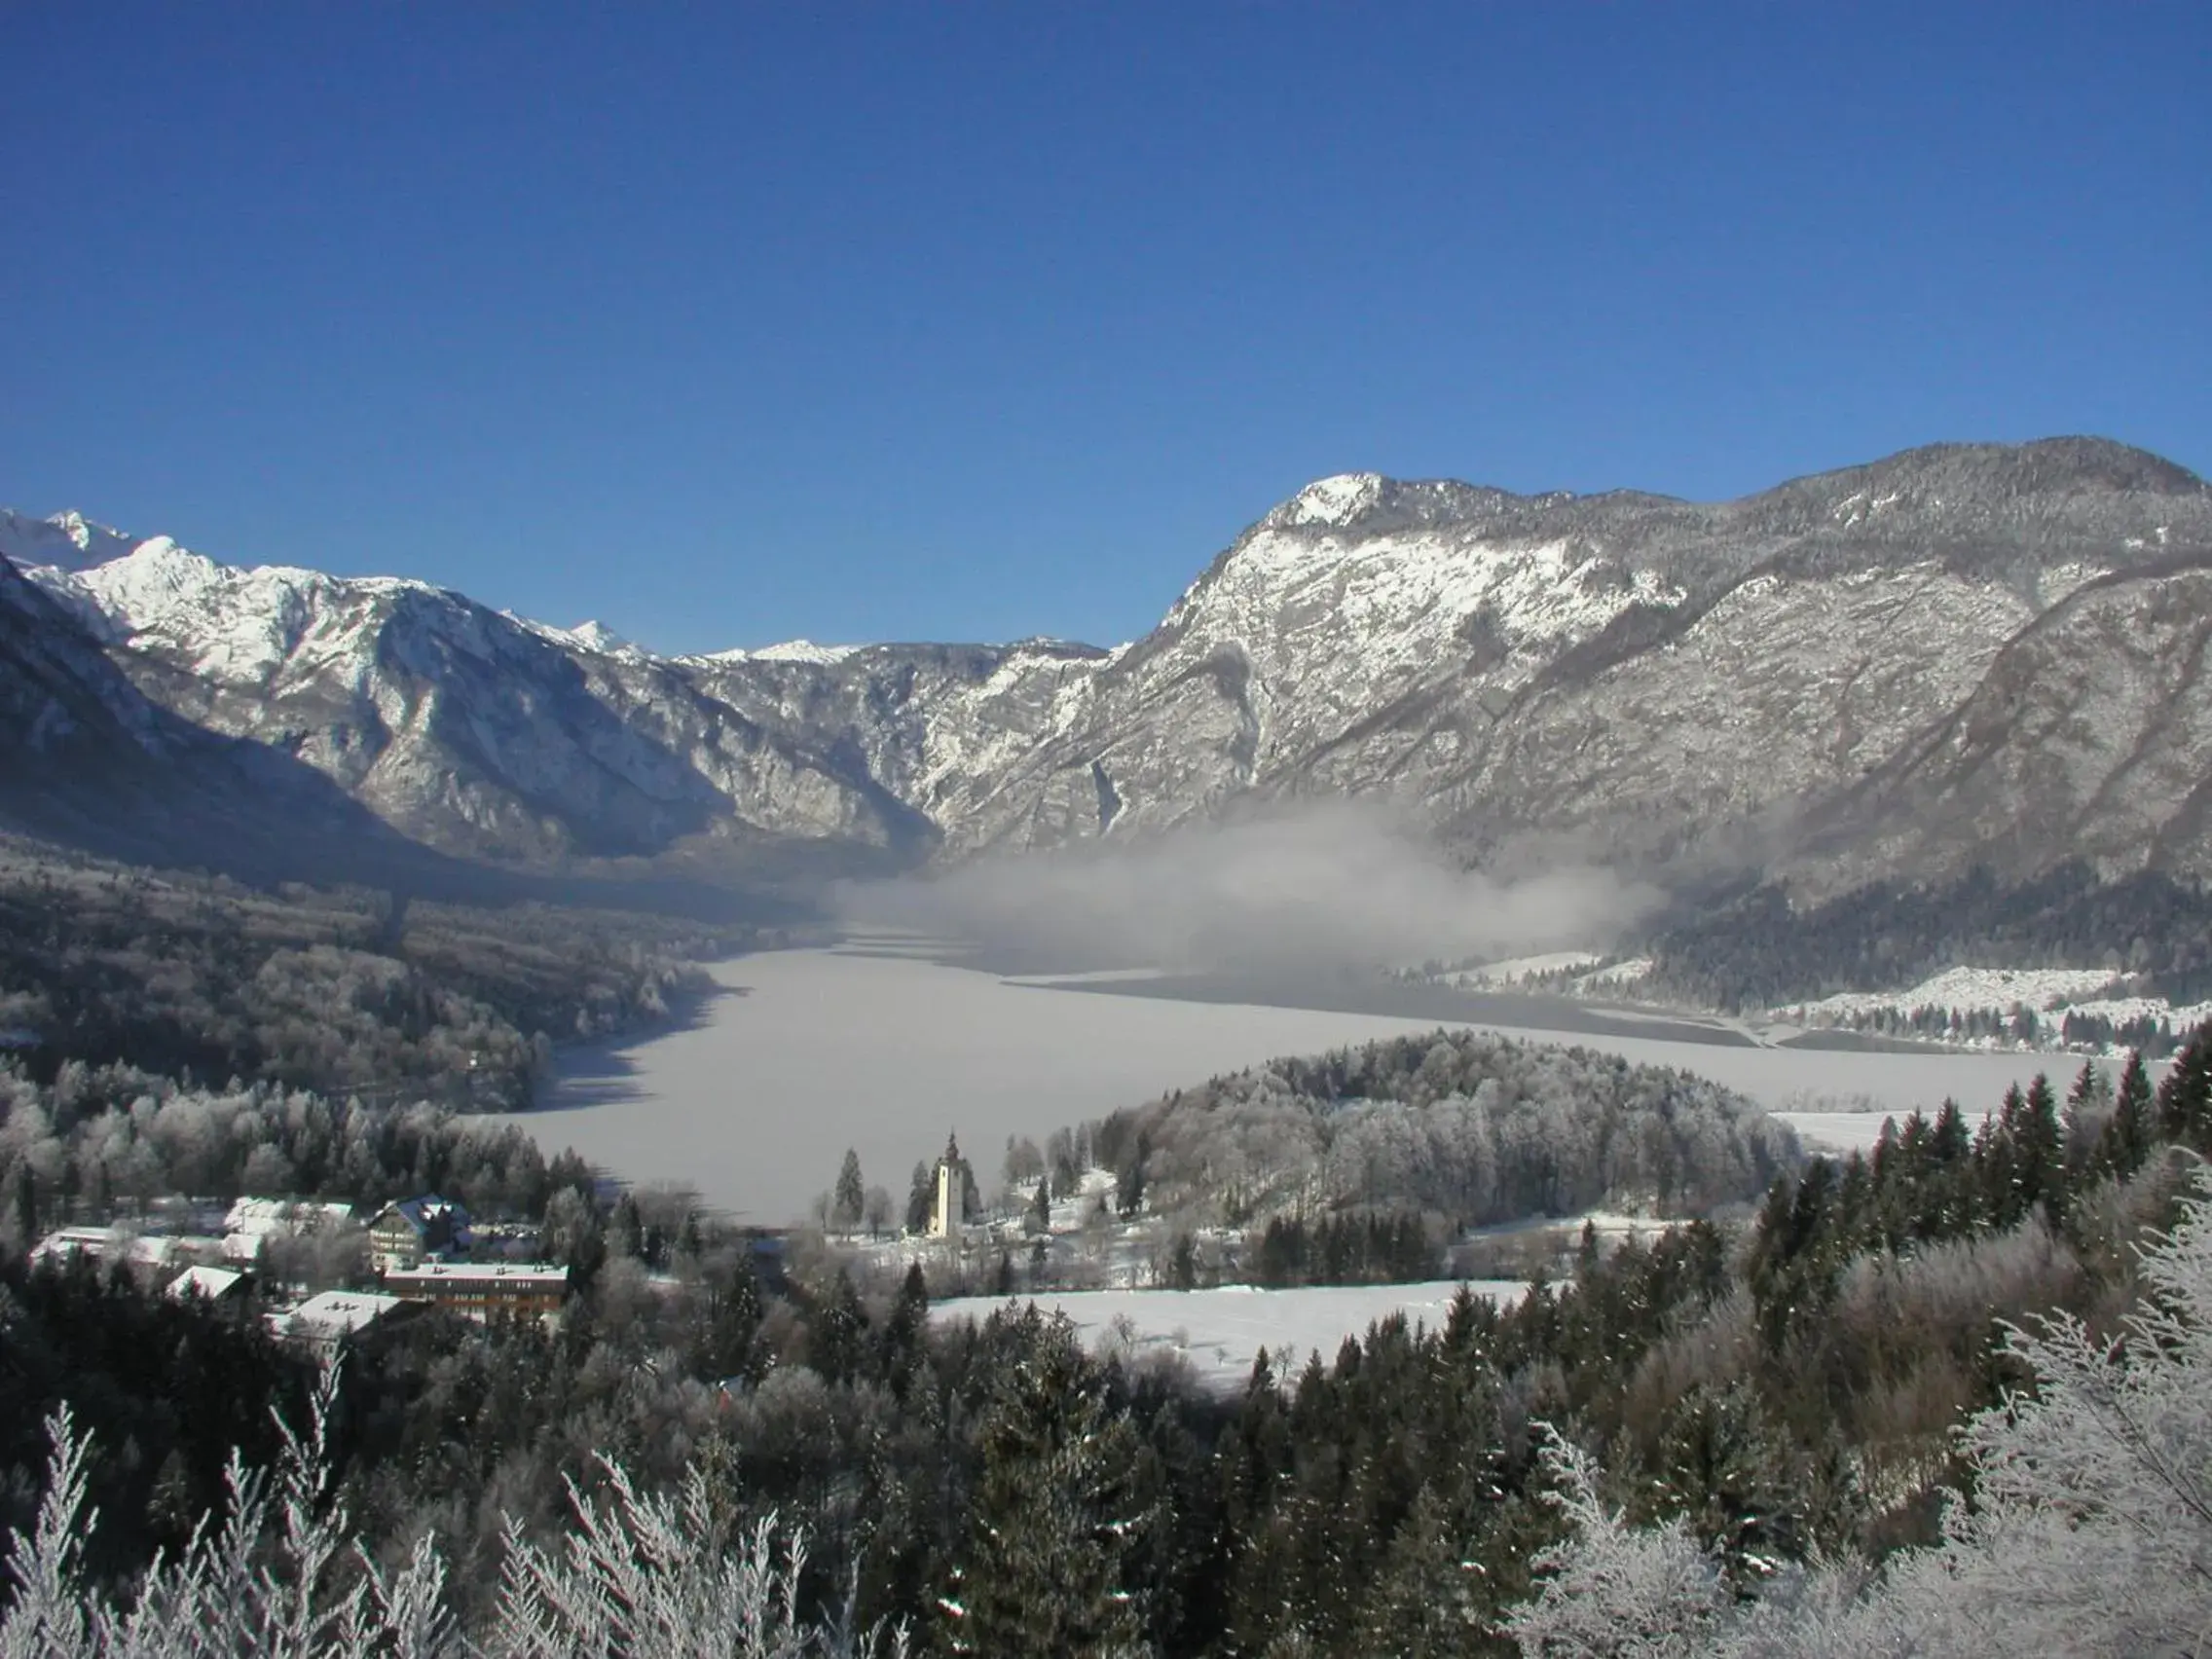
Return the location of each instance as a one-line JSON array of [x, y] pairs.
[[1751, 948], [341, 990], [1472, 1127]]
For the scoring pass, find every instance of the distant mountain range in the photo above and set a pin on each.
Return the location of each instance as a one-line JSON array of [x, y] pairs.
[[1961, 655]]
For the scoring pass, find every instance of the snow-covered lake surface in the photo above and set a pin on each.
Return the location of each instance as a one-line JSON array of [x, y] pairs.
[[1221, 1332], [810, 1051]]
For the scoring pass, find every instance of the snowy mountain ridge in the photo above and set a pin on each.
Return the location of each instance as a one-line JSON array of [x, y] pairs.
[[1963, 652]]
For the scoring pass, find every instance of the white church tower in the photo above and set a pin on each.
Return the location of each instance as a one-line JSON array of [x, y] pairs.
[[944, 1217]]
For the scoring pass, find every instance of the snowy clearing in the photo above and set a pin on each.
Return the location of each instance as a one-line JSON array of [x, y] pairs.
[[1221, 1332]]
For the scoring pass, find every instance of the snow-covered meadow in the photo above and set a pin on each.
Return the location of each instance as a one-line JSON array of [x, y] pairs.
[[811, 1051], [1221, 1332]]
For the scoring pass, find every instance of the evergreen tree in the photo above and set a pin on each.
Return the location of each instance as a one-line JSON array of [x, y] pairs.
[[840, 1331], [728, 1320], [850, 1196], [971, 1197], [625, 1229], [2089, 1104], [902, 1353], [1056, 1512], [2125, 1142], [1182, 1263], [2042, 1158], [2185, 1098], [921, 1199], [1041, 1210]]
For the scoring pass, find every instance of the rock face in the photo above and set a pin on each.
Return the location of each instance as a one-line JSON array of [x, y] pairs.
[[87, 758], [1959, 654]]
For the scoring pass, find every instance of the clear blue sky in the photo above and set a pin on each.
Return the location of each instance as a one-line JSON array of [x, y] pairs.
[[730, 322]]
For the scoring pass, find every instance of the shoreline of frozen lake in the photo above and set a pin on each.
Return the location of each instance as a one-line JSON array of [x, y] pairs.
[[806, 1053]]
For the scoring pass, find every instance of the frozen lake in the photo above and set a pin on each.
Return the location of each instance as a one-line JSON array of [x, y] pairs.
[[810, 1051]]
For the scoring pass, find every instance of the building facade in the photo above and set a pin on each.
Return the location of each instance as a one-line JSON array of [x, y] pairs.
[[406, 1234], [484, 1291]]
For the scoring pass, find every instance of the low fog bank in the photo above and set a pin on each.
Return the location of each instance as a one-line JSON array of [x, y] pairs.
[[1325, 887]]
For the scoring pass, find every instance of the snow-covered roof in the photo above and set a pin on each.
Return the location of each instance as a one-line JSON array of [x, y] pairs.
[[101, 1243], [333, 1314], [211, 1283], [263, 1216], [426, 1212]]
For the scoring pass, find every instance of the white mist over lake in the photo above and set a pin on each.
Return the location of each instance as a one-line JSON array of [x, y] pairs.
[[810, 1051]]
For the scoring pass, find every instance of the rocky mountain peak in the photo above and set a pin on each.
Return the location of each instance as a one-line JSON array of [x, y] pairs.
[[1353, 505], [1652, 679], [66, 540]]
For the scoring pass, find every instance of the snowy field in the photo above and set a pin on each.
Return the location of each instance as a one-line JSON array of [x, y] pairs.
[[1970, 988], [2051, 992], [812, 1051], [1221, 1332]]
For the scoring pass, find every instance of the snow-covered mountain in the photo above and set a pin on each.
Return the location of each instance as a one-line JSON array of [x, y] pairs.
[[1652, 679], [1958, 653]]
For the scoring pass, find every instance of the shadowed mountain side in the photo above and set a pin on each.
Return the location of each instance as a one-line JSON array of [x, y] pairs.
[[2088, 738], [87, 761]]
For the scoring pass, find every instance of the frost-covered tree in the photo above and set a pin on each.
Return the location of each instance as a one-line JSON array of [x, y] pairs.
[[850, 1201], [1615, 1590], [2089, 1527], [281, 1574]]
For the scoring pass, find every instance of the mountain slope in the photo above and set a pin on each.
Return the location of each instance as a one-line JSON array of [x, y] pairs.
[[85, 758], [1959, 652], [1645, 678]]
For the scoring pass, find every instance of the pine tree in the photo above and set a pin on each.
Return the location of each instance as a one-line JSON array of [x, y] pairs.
[[971, 1197], [2041, 1170], [921, 1199], [840, 1331], [1056, 1513], [2125, 1142], [851, 1193], [2185, 1098], [903, 1342], [2089, 1104]]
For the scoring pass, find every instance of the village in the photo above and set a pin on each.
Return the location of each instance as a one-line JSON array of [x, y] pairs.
[[317, 1275]]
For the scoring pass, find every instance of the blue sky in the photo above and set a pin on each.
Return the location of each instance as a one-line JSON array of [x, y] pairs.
[[726, 324]]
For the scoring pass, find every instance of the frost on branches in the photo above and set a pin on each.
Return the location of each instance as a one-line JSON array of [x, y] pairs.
[[282, 1576], [2088, 1529]]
